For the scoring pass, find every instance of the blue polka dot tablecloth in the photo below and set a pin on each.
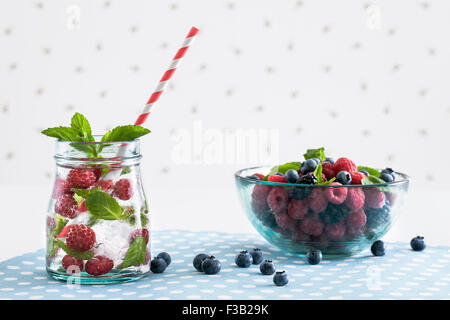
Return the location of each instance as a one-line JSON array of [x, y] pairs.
[[401, 274]]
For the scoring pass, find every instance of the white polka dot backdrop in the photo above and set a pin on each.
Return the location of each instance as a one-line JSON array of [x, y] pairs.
[[20, 277]]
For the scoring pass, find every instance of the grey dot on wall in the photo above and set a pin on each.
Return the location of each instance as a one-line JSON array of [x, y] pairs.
[[78, 69], [202, 67], [69, 107], [134, 29], [230, 5], [99, 46], [47, 51], [107, 4], [363, 86], [270, 69], [8, 31], [423, 92], [356, 45], [387, 110], [425, 5], [395, 67], [135, 68], [326, 68], [294, 94], [40, 91], [299, 4], [13, 66], [229, 92], [365, 132], [431, 51], [333, 114], [5, 108], [267, 23], [39, 5], [259, 108], [173, 6], [9, 155], [298, 130], [326, 29], [103, 94], [391, 31]]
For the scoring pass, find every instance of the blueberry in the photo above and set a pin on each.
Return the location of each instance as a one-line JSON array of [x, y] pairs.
[[279, 174], [257, 256], [386, 177], [317, 160], [292, 176], [166, 257], [253, 177], [417, 243], [300, 193], [365, 172], [314, 256], [308, 166], [378, 248], [280, 278], [158, 265], [267, 268], [344, 177], [330, 160], [389, 171], [243, 259], [211, 265], [378, 219], [198, 261]]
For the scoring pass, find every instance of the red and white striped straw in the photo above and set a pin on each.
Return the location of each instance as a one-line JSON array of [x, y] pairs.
[[167, 76], [112, 174]]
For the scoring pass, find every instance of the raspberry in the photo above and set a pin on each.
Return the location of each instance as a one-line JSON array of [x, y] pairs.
[[61, 187], [82, 207], [64, 231], [278, 199], [335, 231], [259, 196], [123, 189], [277, 178], [352, 232], [81, 178], [284, 221], [312, 225], [374, 198], [66, 206], [80, 237], [356, 219], [103, 184], [391, 197], [99, 265], [297, 209], [320, 242], [355, 199], [344, 164], [299, 235], [259, 175], [140, 232], [357, 177], [71, 264], [317, 200], [327, 170], [336, 195]]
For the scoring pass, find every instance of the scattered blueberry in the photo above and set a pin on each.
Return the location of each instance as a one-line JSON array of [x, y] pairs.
[[292, 176], [243, 259], [257, 256], [378, 248], [267, 268], [308, 166], [386, 177], [158, 265], [344, 177], [330, 160], [314, 256], [417, 243], [211, 265], [365, 172], [280, 278], [197, 262], [166, 257]]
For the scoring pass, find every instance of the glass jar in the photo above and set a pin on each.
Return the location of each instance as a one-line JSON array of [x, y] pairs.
[[98, 227]]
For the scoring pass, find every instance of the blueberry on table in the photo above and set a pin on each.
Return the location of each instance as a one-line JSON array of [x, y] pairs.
[[314, 256], [267, 268], [292, 176], [197, 262], [243, 259], [280, 278], [344, 177], [308, 166], [417, 243], [165, 256], [378, 248], [257, 256], [386, 177], [158, 265], [211, 265]]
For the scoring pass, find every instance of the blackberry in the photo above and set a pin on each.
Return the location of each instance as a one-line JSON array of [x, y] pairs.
[[334, 213], [378, 218], [309, 178]]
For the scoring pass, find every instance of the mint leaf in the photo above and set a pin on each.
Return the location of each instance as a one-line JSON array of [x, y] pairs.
[[84, 193], [315, 153], [81, 126], [125, 170], [371, 180], [102, 206], [324, 183], [285, 167], [82, 255], [135, 254], [125, 133], [61, 133], [371, 171], [318, 173]]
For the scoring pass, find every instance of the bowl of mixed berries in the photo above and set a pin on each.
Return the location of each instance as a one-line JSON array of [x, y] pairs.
[[321, 203]]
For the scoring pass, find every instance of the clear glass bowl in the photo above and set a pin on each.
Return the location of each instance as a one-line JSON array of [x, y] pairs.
[[298, 217]]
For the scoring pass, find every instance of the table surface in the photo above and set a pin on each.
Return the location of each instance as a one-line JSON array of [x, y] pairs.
[[400, 274]]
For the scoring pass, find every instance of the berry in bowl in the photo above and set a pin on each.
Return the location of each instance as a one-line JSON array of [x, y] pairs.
[[333, 206]]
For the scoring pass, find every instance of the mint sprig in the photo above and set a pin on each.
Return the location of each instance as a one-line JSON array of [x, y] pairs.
[[318, 173], [102, 206], [84, 193], [125, 133], [283, 168], [135, 254], [371, 171], [315, 153], [82, 255]]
